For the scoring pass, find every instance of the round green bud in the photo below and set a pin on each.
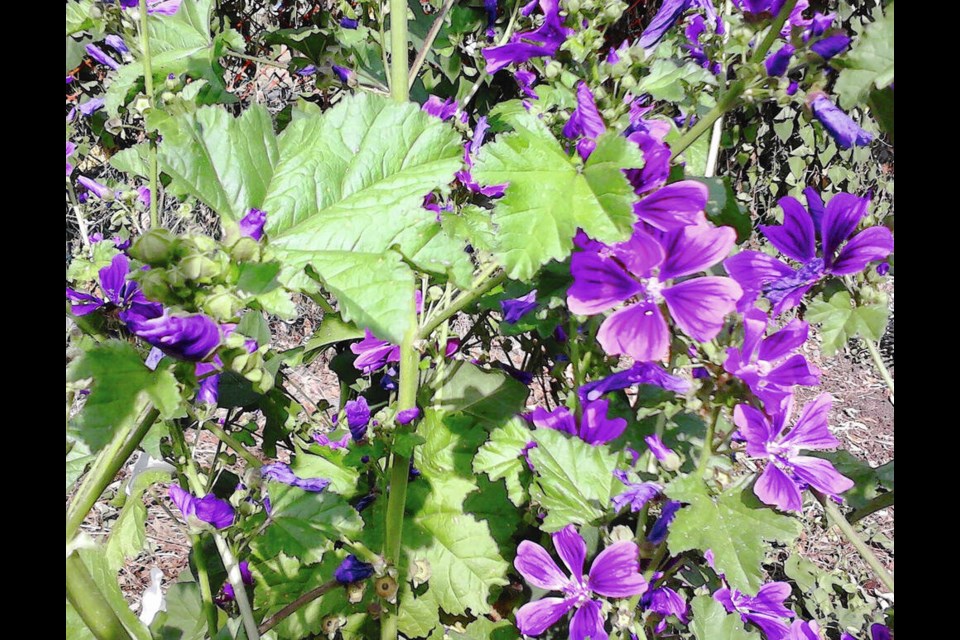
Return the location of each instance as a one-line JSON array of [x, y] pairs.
[[573, 6], [553, 69], [245, 250], [155, 247], [628, 82]]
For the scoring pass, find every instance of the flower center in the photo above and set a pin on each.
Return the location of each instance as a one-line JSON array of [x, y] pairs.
[[578, 589]]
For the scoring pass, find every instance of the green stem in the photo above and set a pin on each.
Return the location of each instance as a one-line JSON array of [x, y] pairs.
[[836, 517], [658, 556], [104, 470], [708, 444], [882, 368], [148, 86], [81, 221], [291, 608], [399, 86], [206, 592], [232, 442], [85, 596], [774, 32], [882, 501], [399, 475], [482, 286], [428, 42]]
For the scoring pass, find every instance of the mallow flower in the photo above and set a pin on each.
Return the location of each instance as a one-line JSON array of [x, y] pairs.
[[352, 569], [644, 272], [637, 494], [770, 365], [787, 472], [661, 526], [544, 41], [119, 292], [251, 225], [594, 428], [639, 373], [585, 122], [784, 286], [615, 573], [373, 353], [764, 610], [666, 602], [358, 417], [668, 15], [838, 124], [209, 508], [516, 308], [439, 108], [281, 472], [192, 337]]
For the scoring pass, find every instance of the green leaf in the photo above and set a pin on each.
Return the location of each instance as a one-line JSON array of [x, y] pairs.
[[550, 194], [76, 627], [332, 330], [485, 629], [343, 479], [78, 16], [121, 383], [304, 523], [418, 615], [711, 622], [501, 457], [106, 580], [374, 290], [474, 224], [867, 479], [77, 461], [722, 208], [734, 525], [183, 618], [490, 397], [133, 160], [128, 536], [840, 320], [869, 64], [574, 479], [664, 80]]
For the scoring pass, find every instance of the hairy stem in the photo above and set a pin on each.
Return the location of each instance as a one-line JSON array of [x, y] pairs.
[[482, 285], [882, 501], [399, 86], [105, 468], [85, 596], [836, 517], [292, 608], [428, 42], [148, 86], [707, 451]]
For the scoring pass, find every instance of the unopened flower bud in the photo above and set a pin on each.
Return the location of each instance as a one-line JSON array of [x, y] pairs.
[[553, 69], [155, 247]]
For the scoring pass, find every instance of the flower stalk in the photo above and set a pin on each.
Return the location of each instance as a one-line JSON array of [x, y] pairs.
[[148, 87], [836, 517], [85, 596]]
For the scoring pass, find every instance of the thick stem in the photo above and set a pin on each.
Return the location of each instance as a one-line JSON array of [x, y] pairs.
[[482, 286], [105, 468], [707, 450], [399, 86], [291, 608], [882, 501], [85, 596], [836, 517], [881, 368], [206, 592], [428, 42], [148, 86]]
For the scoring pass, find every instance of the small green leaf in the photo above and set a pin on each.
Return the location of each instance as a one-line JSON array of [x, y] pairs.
[[501, 457], [869, 65], [332, 329], [106, 579], [491, 397], [840, 320], [418, 615], [712, 622]]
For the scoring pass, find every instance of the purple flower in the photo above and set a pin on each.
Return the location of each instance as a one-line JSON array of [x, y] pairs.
[[802, 630], [324, 440], [163, 7], [639, 373], [280, 472], [661, 526], [348, 23], [830, 46], [94, 187], [373, 354], [439, 108], [639, 272], [245, 576], [525, 80], [308, 70], [470, 150], [659, 450], [251, 225], [636, 495], [346, 75], [117, 43], [186, 337], [585, 120], [778, 62], [877, 632], [516, 308], [693, 31], [101, 56], [615, 573], [143, 195], [358, 417], [838, 124], [787, 472], [119, 292], [670, 11], [883, 268], [595, 428], [765, 610], [784, 286], [208, 509], [649, 135], [70, 149], [666, 602], [352, 570], [792, 88], [408, 415], [771, 365], [490, 6], [755, 7], [89, 107], [532, 44]]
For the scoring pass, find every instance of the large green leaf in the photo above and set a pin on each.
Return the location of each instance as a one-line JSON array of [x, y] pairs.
[[128, 536], [501, 458], [418, 615], [711, 622], [490, 397], [121, 384], [869, 65], [183, 618], [574, 479], [840, 320], [549, 196], [106, 579], [734, 525]]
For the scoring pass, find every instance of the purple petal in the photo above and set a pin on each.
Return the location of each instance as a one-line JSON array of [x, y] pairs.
[[101, 56], [559, 419], [795, 370], [778, 62], [638, 331], [659, 450], [667, 16], [117, 43], [251, 225], [89, 107], [820, 474], [788, 339], [775, 488], [572, 549], [639, 373], [660, 528], [796, 237], [163, 7], [598, 284], [640, 254], [699, 306], [842, 215], [872, 244], [674, 206], [695, 248], [588, 622], [113, 279], [879, 632], [439, 108], [666, 602], [358, 416], [373, 354], [82, 303], [616, 571], [596, 428], [187, 337], [408, 415], [653, 174], [183, 500], [94, 187], [516, 308], [831, 45], [753, 269], [586, 119], [534, 618], [212, 510], [811, 430], [755, 428], [538, 568], [352, 569], [838, 124]]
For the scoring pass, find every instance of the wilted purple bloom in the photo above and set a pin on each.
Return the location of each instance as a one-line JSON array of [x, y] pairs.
[[595, 427], [771, 365], [877, 632], [521, 47], [516, 308], [101, 56], [792, 88], [251, 225], [346, 75], [186, 337], [373, 353], [883, 268], [659, 450], [638, 272], [358, 417], [661, 526], [637, 494], [778, 62], [348, 23], [439, 108], [785, 286], [517, 374], [830, 46], [408, 415], [280, 472], [666, 602], [639, 373], [525, 80], [352, 569], [94, 187], [649, 135], [453, 344], [787, 472], [615, 573], [70, 149], [670, 11], [118, 292], [838, 124], [208, 509], [143, 195], [692, 32], [70, 79], [324, 440], [585, 120], [470, 150], [308, 70], [803, 630], [246, 576], [490, 6], [117, 43], [764, 610], [365, 501], [163, 7], [90, 106]]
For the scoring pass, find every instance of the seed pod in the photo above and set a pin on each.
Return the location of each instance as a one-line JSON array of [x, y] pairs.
[[387, 588]]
